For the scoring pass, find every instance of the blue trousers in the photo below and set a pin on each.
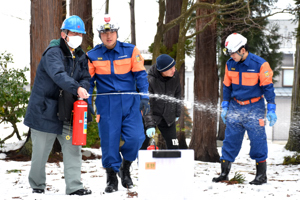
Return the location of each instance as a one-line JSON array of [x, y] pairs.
[[120, 117], [241, 118]]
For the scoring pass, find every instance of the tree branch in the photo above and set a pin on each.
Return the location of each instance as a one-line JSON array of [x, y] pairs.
[[197, 5], [206, 25], [9, 136]]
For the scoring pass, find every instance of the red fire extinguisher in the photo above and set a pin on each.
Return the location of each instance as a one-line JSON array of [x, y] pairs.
[[152, 145], [79, 122]]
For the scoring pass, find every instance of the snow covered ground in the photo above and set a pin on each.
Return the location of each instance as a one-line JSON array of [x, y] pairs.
[[283, 181]]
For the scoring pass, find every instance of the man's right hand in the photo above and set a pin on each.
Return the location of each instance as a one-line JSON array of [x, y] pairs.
[[224, 105], [82, 93], [150, 132], [223, 114]]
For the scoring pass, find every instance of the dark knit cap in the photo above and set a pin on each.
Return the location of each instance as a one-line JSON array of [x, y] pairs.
[[164, 62]]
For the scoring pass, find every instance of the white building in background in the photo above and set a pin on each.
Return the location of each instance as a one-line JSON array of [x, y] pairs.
[[284, 82], [283, 86]]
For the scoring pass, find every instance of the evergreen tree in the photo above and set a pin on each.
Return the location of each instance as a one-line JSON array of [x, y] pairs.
[[263, 41]]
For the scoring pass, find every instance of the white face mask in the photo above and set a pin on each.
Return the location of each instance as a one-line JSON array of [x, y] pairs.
[[74, 41]]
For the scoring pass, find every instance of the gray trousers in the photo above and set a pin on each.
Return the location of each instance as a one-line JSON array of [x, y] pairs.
[[42, 144]]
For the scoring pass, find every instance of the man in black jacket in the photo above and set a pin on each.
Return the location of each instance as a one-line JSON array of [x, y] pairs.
[[63, 65], [165, 108]]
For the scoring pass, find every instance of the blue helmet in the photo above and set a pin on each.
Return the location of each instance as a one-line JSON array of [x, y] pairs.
[[74, 24]]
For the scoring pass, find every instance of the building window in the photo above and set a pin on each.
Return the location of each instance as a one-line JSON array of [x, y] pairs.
[[288, 60], [288, 77]]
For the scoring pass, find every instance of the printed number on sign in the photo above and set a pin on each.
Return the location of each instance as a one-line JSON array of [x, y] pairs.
[[175, 142]]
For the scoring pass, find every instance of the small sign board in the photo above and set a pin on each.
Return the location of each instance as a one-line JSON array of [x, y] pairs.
[[166, 174]]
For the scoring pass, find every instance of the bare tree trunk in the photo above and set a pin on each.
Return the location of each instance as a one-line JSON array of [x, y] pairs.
[[64, 10], [132, 22], [160, 30], [206, 91], [293, 143], [222, 126], [107, 7], [181, 134], [180, 60], [173, 10], [46, 20], [223, 61], [83, 9]]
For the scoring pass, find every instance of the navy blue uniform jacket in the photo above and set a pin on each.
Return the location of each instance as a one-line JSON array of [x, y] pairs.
[[58, 69]]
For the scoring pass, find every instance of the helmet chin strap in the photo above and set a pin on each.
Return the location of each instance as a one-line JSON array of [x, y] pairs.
[[240, 55]]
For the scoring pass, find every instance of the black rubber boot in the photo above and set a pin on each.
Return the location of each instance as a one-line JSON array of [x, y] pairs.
[[111, 181], [124, 174], [225, 169], [261, 174]]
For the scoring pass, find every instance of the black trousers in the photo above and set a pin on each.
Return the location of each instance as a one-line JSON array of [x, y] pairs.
[[168, 133]]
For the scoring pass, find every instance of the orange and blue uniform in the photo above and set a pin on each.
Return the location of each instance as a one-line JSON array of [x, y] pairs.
[[116, 71], [246, 84]]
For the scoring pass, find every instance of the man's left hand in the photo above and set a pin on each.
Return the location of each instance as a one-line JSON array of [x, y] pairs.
[[145, 106]]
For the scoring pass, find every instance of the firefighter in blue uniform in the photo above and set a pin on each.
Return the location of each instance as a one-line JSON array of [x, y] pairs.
[[247, 81], [117, 68]]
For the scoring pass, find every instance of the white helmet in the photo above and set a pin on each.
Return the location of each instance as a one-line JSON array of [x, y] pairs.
[[233, 43], [108, 25]]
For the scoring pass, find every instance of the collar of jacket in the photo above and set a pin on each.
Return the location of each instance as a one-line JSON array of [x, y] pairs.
[[66, 50], [248, 59], [116, 48]]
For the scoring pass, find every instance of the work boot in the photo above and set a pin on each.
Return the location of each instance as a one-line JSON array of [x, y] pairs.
[[111, 181], [39, 191], [124, 174], [261, 174], [81, 192], [225, 169]]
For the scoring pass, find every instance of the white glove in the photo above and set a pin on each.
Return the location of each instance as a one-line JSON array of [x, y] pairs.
[[150, 132]]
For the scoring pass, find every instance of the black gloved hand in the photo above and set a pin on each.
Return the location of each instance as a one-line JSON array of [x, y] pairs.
[[145, 106]]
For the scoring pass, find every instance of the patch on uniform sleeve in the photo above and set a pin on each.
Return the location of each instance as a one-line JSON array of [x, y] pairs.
[[100, 58], [232, 69], [138, 58], [267, 74]]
